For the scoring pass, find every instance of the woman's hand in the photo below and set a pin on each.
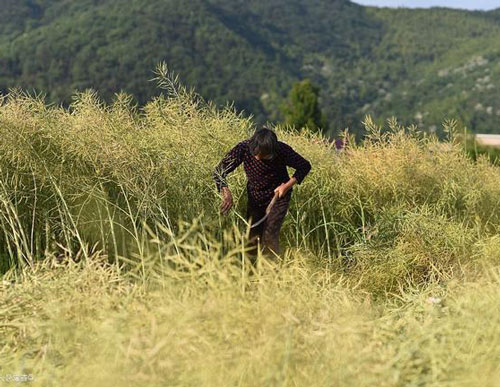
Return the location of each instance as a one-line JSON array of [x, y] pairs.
[[285, 187], [227, 201]]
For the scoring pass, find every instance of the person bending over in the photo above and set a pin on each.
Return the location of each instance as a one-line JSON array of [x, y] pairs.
[[264, 160]]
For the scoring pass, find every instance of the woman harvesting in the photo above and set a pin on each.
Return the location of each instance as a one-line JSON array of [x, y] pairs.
[[265, 160]]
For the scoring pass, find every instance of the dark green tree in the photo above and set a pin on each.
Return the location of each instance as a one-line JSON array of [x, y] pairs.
[[301, 109]]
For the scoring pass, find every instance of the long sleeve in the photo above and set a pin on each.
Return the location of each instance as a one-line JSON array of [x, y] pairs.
[[228, 164], [296, 161]]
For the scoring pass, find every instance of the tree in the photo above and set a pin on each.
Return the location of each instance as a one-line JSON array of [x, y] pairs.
[[302, 107]]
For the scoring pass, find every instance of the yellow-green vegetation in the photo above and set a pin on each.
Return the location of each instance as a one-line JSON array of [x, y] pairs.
[[118, 269]]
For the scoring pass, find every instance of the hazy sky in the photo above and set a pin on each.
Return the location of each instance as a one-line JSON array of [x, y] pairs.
[[466, 4]]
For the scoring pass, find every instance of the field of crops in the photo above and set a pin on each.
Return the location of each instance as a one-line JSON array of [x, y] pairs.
[[118, 269]]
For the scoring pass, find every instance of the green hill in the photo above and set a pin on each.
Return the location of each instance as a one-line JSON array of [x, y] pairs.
[[420, 65]]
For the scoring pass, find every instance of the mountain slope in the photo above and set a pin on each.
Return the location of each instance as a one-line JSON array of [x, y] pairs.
[[445, 67], [250, 52], [366, 60]]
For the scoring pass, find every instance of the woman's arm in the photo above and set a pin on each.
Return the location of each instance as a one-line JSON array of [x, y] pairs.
[[228, 164], [293, 159], [300, 164], [285, 187]]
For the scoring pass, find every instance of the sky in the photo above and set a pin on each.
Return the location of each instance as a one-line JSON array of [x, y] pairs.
[[464, 4]]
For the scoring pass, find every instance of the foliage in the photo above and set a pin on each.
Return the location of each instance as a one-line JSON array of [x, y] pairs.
[[420, 65], [88, 324], [476, 151], [102, 177], [302, 109], [118, 269]]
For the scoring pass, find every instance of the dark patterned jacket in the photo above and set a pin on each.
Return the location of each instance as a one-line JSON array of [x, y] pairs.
[[263, 175]]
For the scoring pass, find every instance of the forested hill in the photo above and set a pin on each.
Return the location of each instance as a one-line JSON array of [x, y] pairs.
[[420, 65]]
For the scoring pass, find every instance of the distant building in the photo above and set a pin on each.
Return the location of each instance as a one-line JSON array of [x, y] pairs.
[[492, 140]]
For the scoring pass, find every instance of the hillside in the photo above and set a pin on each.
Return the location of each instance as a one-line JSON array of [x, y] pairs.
[[448, 68], [421, 65]]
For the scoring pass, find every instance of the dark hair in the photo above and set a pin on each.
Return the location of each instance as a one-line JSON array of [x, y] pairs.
[[264, 141]]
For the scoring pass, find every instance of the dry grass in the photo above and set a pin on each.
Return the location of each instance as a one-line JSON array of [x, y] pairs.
[[85, 324], [118, 269]]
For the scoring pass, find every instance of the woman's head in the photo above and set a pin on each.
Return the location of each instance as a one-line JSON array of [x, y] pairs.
[[263, 143]]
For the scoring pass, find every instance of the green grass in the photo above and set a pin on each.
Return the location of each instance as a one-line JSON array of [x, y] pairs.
[[118, 269]]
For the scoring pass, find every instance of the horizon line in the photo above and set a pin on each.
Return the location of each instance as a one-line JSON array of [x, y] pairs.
[[366, 3]]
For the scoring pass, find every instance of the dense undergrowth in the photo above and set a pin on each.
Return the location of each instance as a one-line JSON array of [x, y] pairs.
[[119, 269]]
